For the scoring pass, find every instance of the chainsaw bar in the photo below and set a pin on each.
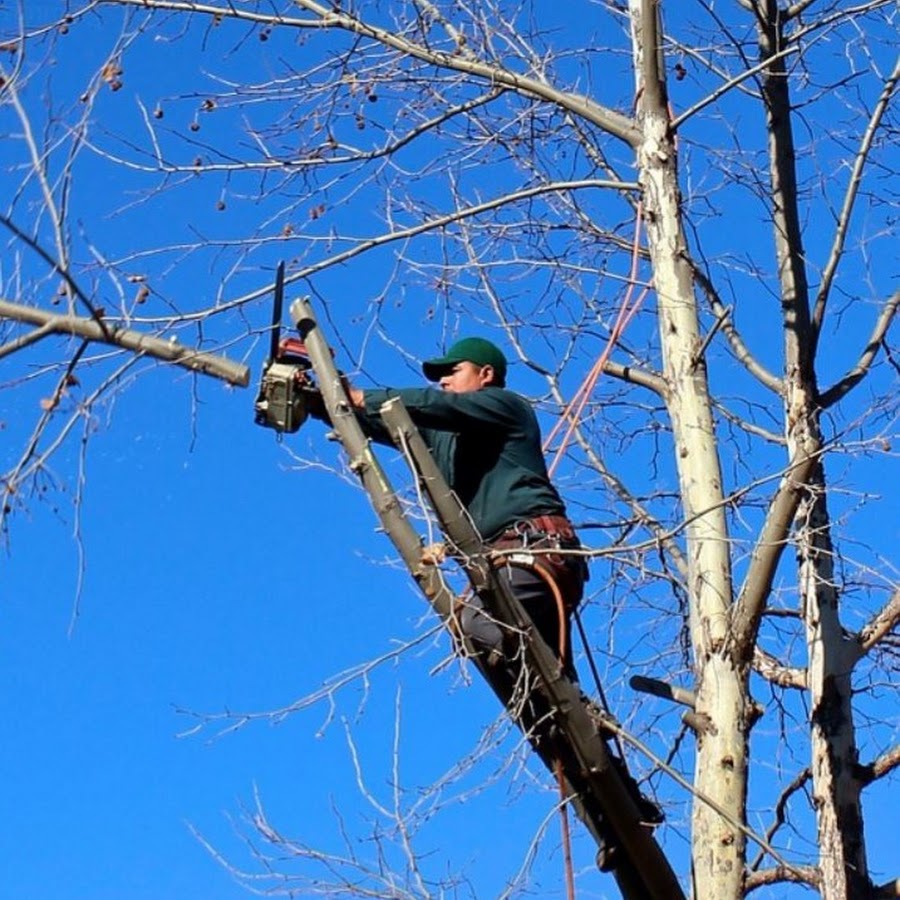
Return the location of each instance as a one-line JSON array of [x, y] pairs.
[[276, 312], [285, 385]]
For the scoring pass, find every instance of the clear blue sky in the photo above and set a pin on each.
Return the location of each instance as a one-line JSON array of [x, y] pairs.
[[213, 573]]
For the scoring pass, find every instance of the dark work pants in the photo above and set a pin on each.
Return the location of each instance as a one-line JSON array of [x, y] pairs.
[[538, 600]]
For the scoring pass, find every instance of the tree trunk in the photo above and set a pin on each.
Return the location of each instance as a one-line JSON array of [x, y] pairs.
[[721, 766], [836, 788]]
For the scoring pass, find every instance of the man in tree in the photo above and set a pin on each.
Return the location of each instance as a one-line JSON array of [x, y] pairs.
[[486, 442]]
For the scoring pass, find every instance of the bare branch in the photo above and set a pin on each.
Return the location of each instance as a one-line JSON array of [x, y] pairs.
[[843, 223], [767, 552], [72, 288], [25, 340], [31, 461], [779, 874], [780, 808], [883, 765], [403, 234], [859, 371], [797, 8], [608, 120], [663, 689], [11, 479], [38, 167], [662, 539], [314, 159], [727, 86], [769, 436], [636, 375], [393, 129], [783, 201], [882, 624], [652, 83], [773, 671], [105, 332], [701, 350], [841, 12], [225, 722], [735, 341]]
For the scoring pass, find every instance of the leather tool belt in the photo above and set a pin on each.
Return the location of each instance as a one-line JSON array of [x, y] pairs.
[[544, 533], [547, 526]]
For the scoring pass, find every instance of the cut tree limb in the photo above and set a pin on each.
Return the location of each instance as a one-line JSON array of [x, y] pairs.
[[104, 331]]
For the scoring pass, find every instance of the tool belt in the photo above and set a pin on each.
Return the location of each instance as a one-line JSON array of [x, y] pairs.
[[547, 533], [548, 526]]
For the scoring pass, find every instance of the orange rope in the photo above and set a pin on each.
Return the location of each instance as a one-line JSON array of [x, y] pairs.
[[626, 313], [566, 837], [545, 574]]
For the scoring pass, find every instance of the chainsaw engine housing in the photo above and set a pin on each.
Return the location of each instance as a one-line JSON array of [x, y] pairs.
[[282, 400]]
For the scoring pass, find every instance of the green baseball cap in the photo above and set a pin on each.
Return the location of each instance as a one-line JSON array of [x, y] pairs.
[[473, 349]]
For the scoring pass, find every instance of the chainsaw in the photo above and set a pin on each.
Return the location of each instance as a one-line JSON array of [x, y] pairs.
[[286, 384]]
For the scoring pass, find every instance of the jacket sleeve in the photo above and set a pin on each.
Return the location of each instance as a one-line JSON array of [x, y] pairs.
[[373, 426], [444, 411]]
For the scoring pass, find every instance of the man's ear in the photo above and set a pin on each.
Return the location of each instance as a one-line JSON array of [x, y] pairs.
[[488, 375]]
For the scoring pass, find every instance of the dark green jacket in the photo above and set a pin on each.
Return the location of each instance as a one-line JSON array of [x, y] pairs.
[[487, 445]]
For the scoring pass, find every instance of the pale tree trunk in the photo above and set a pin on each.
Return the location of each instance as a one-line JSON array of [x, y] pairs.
[[721, 688], [836, 787], [834, 757]]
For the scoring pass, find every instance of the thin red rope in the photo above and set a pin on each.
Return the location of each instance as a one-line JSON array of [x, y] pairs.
[[575, 407]]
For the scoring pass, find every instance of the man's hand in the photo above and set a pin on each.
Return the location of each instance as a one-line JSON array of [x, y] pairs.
[[315, 405], [357, 397]]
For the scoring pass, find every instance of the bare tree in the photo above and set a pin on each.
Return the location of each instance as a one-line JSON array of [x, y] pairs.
[[658, 194]]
